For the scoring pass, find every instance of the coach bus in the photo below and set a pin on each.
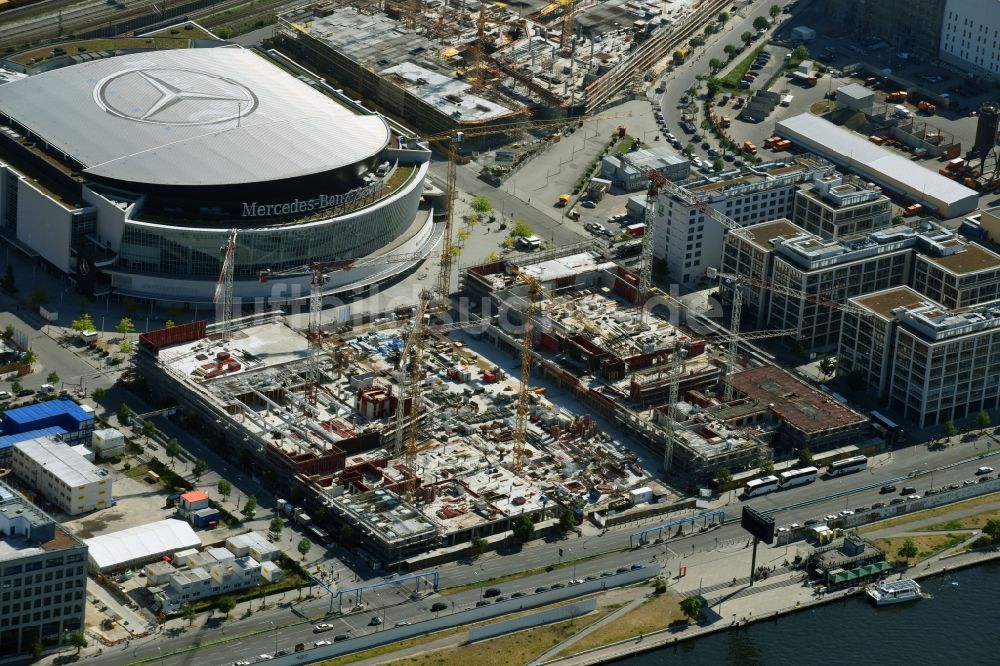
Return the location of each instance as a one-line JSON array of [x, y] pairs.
[[797, 477], [761, 486], [847, 466], [885, 427]]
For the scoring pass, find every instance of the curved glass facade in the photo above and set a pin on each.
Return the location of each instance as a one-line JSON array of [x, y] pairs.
[[151, 249]]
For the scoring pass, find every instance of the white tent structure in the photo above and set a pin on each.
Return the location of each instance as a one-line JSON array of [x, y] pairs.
[[139, 545]]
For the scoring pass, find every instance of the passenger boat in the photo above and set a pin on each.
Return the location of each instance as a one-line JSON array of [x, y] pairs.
[[895, 592]]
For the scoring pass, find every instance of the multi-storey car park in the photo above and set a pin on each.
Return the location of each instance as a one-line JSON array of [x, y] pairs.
[[128, 174]]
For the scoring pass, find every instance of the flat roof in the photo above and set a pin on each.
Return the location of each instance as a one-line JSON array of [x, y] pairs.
[[884, 302], [142, 542], [28, 414], [794, 401], [66, 464], [212, 116], [765, 232], [973, 259], [881, 164]]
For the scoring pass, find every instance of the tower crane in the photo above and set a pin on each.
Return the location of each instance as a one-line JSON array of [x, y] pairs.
[[224, 287], [527, 344], [454, 139], [414, 392]]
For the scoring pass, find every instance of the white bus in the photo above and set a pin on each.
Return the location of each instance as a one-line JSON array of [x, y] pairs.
[[761, 486], [847, 466], [797, 477]]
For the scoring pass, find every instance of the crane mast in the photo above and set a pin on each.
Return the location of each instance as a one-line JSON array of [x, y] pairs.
[[224, 287]]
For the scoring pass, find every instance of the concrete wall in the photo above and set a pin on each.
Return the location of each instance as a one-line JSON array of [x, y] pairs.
[[558, 614], [466, 617], [44, 225]]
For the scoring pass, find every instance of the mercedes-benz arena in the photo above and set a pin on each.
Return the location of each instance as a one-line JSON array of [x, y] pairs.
[[128, 173]]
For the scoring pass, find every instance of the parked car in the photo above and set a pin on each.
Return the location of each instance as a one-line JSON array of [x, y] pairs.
[[541, 588], [518, 595], [896, 500], [321, 643], [320, 628], [636, 565], [557, 586], [878, 505], [5, 395], [438, 606], [885, 490], [492, 592], [482, 602], [375, 621], [340, 637], [907, 490], [587, 203], [984, 470]]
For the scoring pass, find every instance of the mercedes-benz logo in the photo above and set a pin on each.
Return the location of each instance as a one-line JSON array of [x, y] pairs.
[[173, 96]]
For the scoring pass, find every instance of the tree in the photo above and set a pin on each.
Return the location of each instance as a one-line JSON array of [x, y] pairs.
[[173, 449], [225, 488], [169, 323], [463, 235], [715, 64], [478, 545], [697, 41], [899, 219], [29, 357], [688, 149], [83, 324], [200, 467], [148, 429], [226, 604], [83, 302], [678, 58], [122, 413], [983, 420], [493, 256], [472, 219], [908, 549], [481, 204], [747, 37], [188, 613], [731, 50], [305, 545], [760, 23], [800, 53], [691, 607], [828, 366], [718, 164], [711, 29], [98, 394], [775, 11], [277, 524], [125, 326], [723, 476], [948, 429], [805, 457], [38, 296], [765, 465], [521, 229], [36, 649], [250, 508], [16, 387], [78, 639], [53, 378], [523, 529], [992, 529], [346, 533], [723, 17], [8, 332], [567, 520], [8, 283]]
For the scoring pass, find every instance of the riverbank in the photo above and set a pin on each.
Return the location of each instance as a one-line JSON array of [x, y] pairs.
[[765, 605]]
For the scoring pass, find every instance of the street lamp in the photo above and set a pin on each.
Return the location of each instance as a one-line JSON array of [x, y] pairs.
[[275, 627]]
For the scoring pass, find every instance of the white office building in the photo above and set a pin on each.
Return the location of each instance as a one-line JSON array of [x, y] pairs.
[[689, 241], [970, 36], [61, 475]]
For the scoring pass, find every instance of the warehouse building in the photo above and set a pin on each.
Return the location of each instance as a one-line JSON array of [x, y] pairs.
[[139, 545], [880, 165], [62, 476], [43, 577]]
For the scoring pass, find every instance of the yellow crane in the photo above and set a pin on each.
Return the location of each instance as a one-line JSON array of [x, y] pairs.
[[527, 345]]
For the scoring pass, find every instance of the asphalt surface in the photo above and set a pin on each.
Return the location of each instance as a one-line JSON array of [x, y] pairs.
[[393, 604]]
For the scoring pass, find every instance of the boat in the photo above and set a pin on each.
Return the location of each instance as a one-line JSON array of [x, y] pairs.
[[895, 592]]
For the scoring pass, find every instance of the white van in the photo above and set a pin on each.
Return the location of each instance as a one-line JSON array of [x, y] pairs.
[[48, 388]]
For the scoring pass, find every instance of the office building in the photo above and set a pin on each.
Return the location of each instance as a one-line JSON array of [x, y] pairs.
[[43, 577], [688, 241], [62, 476], [970, 36], [807, 272], [835, 205]]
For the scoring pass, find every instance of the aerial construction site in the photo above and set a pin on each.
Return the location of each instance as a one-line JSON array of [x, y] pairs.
[[448, 65]]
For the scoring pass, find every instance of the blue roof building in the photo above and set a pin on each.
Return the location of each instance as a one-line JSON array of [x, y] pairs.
[[73, 422]]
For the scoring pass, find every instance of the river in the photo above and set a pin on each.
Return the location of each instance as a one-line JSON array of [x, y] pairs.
[[956, 626]]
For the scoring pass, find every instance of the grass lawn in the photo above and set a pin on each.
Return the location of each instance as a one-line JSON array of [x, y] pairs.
[[927, 545], [658, 613], [625, 143], [510, 650], [977, 521], [932, 513], [731, 81], [444, 633], [823, 106], [137, 472], [179, 41]]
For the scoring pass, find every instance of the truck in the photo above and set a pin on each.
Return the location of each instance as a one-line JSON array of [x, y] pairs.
[[771, 140], [913, 209], [927, 107], [748, 147], [896, 97], [563, 200], [786, 100]]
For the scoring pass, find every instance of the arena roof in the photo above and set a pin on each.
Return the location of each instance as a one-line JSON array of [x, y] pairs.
[[188, 117]]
